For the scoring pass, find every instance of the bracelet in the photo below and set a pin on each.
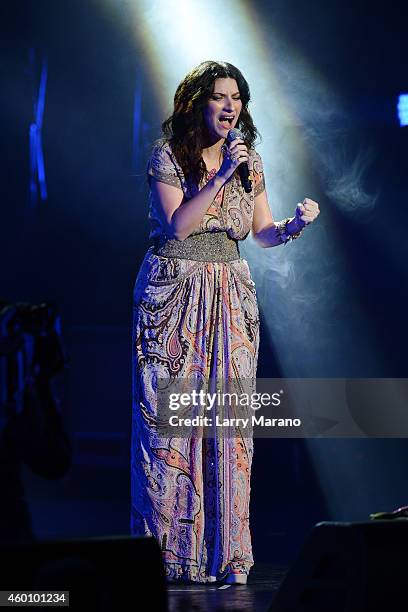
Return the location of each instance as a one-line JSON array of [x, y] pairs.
[[283, 232]]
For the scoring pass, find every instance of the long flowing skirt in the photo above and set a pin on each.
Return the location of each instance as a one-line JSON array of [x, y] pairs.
[[200, 319]]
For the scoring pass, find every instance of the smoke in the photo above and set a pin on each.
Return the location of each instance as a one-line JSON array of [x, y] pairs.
[[327, 125], [344, 179], [309, 149]]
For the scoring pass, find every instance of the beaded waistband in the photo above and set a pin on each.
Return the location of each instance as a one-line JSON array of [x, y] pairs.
[[208, 246]]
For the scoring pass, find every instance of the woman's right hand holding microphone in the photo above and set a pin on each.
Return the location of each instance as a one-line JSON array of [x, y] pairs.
[[236, 153]]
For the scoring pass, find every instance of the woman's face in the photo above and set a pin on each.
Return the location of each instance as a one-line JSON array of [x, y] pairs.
[[223, 108]]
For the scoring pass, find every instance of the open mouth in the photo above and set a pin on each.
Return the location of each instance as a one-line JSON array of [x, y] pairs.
[[226, 121]]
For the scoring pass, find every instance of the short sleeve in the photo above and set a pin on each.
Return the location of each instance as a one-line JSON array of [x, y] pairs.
[[162, 167], [258, 174]]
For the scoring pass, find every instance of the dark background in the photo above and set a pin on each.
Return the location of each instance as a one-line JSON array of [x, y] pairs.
[[82, 248]]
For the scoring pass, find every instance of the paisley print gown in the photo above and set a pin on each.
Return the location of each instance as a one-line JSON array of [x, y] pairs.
[[194, 317]]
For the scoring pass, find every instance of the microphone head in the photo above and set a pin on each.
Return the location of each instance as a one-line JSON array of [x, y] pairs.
[[233, 134]]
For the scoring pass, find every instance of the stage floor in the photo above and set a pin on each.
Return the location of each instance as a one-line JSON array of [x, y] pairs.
[[255, 596]]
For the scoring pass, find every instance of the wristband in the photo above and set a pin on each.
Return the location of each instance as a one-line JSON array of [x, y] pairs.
[[283, 232]]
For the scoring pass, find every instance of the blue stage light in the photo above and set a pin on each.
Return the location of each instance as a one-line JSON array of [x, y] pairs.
[[403, 109], [37, 168]]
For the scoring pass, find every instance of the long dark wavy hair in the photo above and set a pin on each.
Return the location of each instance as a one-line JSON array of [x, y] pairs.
[[185, 129]]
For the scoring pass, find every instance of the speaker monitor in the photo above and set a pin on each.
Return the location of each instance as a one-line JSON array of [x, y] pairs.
[[107, 573], [348, 567]]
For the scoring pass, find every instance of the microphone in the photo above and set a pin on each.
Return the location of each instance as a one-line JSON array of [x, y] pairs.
[[243, 167]]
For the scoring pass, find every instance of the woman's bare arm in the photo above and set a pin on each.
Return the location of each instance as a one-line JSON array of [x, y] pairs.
[[181, 217], [180, 220], [263, 225], [264, 228]]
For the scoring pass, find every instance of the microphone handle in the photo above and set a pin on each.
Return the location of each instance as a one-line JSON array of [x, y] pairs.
[[244, 176]]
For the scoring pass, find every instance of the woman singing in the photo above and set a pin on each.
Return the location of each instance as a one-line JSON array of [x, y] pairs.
[[196, 314]]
